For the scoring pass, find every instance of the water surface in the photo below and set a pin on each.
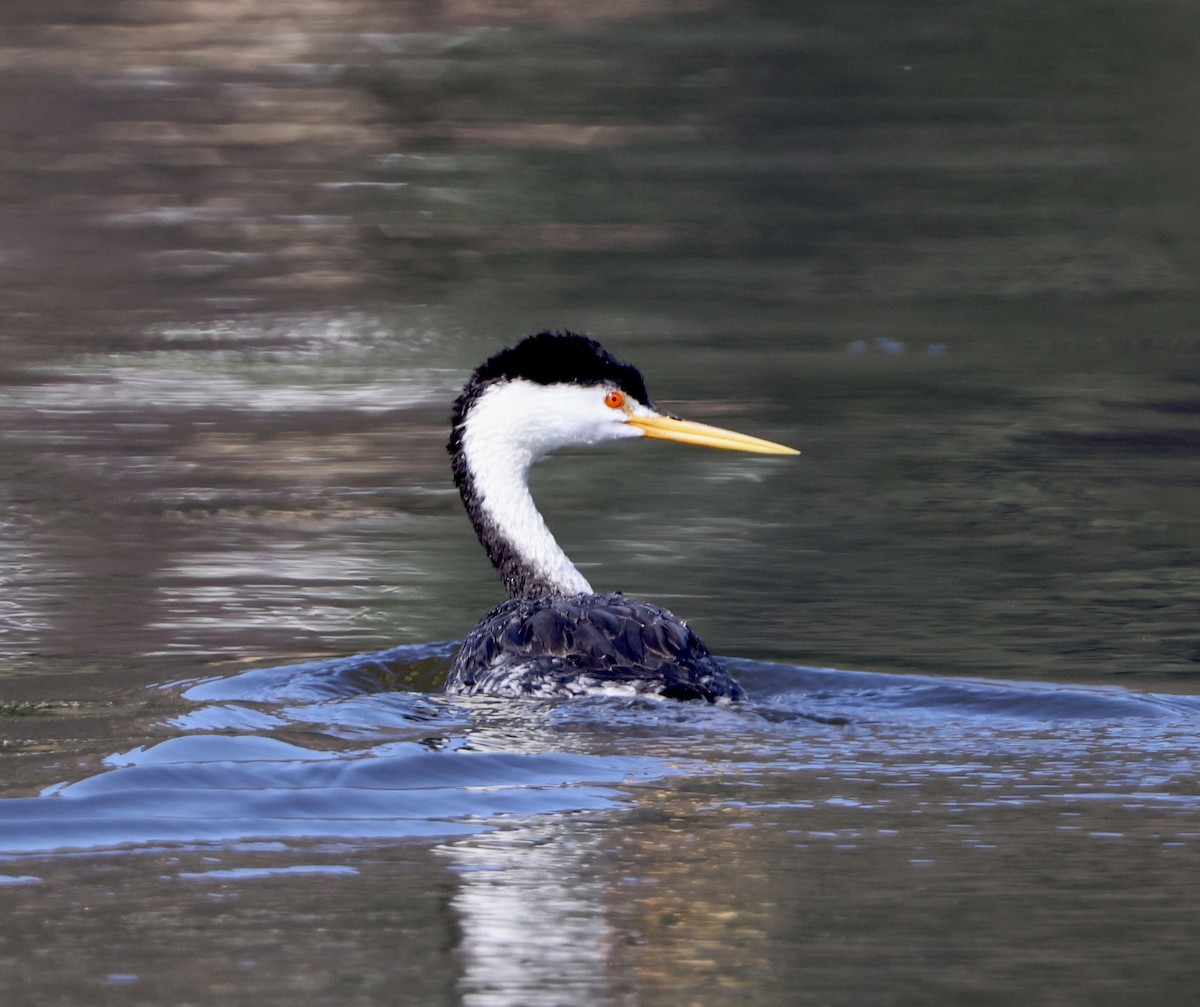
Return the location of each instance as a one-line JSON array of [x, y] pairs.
[[247, 257]]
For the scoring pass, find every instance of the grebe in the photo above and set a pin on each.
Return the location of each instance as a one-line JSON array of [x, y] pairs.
[[554, 637]]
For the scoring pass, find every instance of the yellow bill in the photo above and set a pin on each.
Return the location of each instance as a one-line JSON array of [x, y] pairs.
[[667, 428]]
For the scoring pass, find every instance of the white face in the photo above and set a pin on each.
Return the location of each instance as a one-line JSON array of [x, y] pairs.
[[543, 418]]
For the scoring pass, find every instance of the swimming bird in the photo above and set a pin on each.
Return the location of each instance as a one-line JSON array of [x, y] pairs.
[[555, 637]]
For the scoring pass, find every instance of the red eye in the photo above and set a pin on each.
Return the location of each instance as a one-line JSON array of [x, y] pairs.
[[614, 399]]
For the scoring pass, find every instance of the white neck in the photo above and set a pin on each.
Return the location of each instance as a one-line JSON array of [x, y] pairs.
[[501, 441]]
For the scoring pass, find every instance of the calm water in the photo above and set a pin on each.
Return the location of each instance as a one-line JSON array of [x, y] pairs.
[[248, 254]]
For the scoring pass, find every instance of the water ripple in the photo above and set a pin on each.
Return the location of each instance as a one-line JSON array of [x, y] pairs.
[[339, 749]]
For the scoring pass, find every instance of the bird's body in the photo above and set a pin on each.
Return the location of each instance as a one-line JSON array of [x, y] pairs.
[[555, 637], [587, 644]]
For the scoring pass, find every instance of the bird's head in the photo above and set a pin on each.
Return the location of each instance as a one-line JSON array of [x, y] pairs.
[[556, 390]]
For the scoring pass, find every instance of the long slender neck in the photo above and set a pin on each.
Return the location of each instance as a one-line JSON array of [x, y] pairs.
[[491, 471]]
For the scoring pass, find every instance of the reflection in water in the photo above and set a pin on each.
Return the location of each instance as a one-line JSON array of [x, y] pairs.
[[531, 911], [247, 252], [288, 232], [23, 587], [656, 851]]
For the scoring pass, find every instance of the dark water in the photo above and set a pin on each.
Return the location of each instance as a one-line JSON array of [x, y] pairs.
[[247, 256], [335, 830]]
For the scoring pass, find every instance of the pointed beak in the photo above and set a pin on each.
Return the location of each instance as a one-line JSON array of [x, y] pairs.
[[668, 428]]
